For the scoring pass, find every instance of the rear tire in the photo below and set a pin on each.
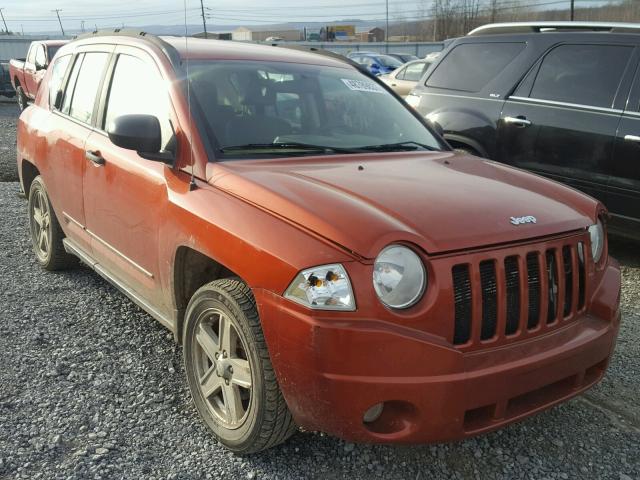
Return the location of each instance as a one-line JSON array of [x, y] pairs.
[[21, 97], [46, 233], [232, 381]]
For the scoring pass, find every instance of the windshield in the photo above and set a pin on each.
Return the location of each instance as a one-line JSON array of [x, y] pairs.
[[388, 61], [250, 105], [408, 58]]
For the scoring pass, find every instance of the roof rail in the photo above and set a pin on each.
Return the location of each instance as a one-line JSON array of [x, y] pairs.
[[168, 49], [541, 27]]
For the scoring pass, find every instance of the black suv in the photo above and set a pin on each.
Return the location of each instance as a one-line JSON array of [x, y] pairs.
[[561, 99]]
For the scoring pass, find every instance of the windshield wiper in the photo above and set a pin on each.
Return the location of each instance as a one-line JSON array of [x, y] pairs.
[[399, 146], [286, 146]]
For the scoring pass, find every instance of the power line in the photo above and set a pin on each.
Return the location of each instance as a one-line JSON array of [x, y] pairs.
[[92, 17], [266, 18]]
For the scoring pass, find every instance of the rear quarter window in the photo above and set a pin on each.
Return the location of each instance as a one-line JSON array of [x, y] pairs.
[[470, 67]]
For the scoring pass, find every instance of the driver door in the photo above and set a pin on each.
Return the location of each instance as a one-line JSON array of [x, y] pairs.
[[125, 195]]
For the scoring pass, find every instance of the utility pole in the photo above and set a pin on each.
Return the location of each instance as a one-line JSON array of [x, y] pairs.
[[572, 9], [204, 19], [3, 21], [386, 32], [82, 25], [58, 10]]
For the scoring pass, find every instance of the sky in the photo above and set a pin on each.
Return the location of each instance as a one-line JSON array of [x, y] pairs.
[[38, 15]]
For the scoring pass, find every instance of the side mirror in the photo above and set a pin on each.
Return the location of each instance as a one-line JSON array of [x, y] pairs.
[[141, 133], [39, 66]]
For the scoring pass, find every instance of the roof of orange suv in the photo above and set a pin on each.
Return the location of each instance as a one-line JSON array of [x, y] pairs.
[[200, 49]]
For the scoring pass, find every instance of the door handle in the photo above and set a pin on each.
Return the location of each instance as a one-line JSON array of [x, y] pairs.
[[517, 121], [394, 85], [632, 138], [94, 157]]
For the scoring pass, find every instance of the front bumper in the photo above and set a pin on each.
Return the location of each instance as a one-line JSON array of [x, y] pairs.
[[331, 371]]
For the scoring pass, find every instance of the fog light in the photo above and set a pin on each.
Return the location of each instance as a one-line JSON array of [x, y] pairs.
[[373, 413]]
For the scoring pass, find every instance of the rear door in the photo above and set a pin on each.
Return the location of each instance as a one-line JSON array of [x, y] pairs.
[[561, 121], [125, 194], [624, 179], [67, 131]]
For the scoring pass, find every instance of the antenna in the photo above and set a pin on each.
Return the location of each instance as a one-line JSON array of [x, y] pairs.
[[192, 182]]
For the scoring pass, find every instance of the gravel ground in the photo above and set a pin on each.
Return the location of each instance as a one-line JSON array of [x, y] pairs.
[[92, 387], [8, 116]]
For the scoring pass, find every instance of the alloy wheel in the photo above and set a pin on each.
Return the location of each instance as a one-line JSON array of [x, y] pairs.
[[41, 225], [223, 369]]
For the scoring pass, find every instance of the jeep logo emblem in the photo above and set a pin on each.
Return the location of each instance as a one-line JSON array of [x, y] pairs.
[[521, 220]]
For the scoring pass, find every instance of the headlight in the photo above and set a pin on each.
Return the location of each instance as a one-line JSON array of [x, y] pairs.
[[596, 232], [325, 288], [399, 277]]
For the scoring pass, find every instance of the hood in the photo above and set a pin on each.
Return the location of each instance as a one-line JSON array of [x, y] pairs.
[[441, 201]]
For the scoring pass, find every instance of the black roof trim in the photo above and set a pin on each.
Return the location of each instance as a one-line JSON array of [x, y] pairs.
[[168, 49]]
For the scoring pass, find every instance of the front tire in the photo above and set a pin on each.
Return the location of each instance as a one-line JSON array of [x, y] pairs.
[[46, 233], [229, 372]]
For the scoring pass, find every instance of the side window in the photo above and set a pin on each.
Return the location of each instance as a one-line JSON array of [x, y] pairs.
[[57, 75], [400, 75], [31, 56], [470, 67], [137, 87], [41, 58], [582, 74], [86, 88], [414, 72]]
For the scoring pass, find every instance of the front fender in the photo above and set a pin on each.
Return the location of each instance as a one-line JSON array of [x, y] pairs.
[[264, 250]]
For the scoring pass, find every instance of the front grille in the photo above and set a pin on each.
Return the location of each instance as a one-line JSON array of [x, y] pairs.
[[518, 295]]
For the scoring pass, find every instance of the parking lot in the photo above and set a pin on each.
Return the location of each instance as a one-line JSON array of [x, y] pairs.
[[93, 387]]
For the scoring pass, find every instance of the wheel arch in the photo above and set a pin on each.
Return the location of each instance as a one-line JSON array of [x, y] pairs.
[[28, 171], [460, 141], [191, 270]]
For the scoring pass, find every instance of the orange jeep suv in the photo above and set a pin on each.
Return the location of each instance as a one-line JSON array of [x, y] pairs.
[[324, 265]]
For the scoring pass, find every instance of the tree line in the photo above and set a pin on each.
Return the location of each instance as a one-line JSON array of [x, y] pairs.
[[437, 20]]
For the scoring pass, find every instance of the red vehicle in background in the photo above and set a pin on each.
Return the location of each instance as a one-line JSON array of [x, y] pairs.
[[26, 73]]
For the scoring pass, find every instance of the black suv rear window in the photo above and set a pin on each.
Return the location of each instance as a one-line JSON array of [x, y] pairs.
[[470, 67], [582, 74]]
